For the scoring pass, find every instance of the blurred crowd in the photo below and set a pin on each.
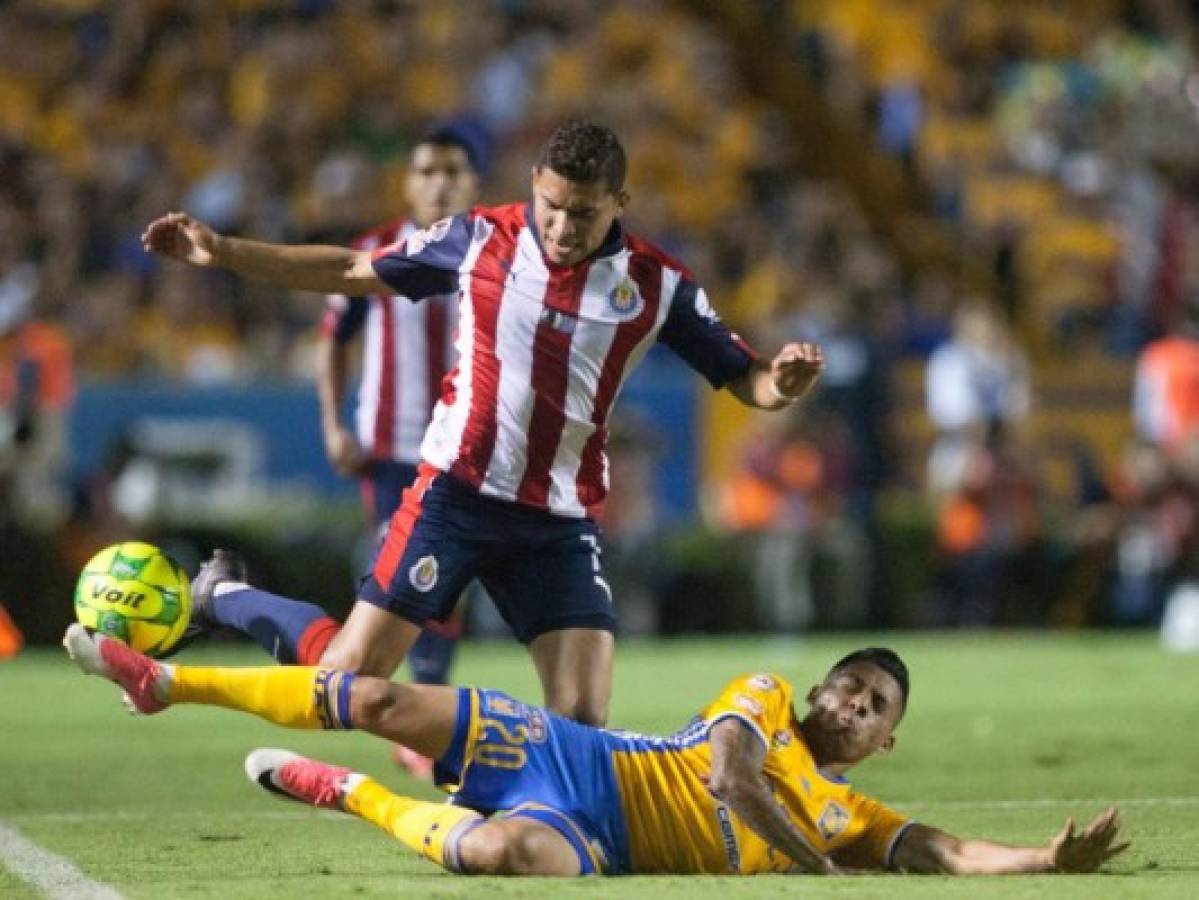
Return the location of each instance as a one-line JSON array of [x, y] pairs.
[[1054, 139]]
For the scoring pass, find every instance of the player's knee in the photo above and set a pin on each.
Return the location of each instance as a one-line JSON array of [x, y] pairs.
[[507, 848], [526, 853], [483, 850]]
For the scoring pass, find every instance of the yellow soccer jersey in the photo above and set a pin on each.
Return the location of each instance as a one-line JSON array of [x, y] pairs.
[[675, 825]]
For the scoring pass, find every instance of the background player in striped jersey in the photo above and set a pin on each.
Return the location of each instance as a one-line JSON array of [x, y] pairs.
[[749, 786], [407, 350], [557, 303]]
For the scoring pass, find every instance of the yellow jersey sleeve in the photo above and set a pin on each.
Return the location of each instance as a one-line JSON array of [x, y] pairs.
[[872, 838], [762, 701]]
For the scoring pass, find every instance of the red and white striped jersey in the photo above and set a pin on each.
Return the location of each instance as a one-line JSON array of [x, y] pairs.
[[543, 349], [408, 348]]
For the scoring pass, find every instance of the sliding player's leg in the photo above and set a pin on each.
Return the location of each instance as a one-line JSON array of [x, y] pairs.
[[423, 717], [454, 837]]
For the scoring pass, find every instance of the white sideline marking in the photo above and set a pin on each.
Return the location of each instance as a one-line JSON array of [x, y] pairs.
[[52, 874]]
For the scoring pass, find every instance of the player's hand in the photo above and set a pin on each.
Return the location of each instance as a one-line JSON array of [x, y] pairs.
[[1090, 848], [179, 236], [795, 368], [345, 455]]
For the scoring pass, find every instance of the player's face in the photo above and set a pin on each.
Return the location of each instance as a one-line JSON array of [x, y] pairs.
[[853, 714], [440, 183], [572, 217]]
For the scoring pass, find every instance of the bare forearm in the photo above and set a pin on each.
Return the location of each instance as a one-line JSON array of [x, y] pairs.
[[754, 803], [925, 849], [987, 858], [317, 268]]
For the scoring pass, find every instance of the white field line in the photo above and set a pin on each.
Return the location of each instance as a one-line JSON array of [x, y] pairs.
[[51, 874], [221, 819], [1041, 802]]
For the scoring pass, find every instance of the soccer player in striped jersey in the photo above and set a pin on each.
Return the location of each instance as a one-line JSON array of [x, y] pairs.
[[407, 350], [749, 786], [557, 304]]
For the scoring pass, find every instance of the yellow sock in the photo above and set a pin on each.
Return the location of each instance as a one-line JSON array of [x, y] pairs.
[[293, 696], [431, 829]]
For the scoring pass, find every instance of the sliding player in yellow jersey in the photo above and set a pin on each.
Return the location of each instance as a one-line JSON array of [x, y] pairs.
[[747, 787]]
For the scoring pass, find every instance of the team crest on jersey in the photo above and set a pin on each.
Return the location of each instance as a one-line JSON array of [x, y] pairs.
[[749, 704], [782, 737], [762, 682], [833, 820], [422, 239], [423, 574], [625, 300]]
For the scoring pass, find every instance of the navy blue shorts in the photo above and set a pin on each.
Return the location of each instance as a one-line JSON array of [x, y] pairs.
[[382, 485], [541, 570]]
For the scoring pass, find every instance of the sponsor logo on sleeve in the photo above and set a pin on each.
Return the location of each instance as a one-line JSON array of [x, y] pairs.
[[729, 836]]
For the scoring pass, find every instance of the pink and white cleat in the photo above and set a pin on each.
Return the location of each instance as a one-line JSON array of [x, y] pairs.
[[300, 778], [143, 679]]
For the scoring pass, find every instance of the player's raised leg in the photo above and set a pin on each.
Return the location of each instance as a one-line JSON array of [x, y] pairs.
[[456, 838], [291, 631], [373, 641]]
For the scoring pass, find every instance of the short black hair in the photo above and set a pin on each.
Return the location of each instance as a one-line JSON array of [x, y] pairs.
[[883, 657], [449, 136], [583, 152]]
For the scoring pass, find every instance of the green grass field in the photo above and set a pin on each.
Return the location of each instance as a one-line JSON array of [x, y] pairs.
[[1005, 737]]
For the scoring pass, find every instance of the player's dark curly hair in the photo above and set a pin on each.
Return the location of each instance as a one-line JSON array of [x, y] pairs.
[[584, 152], [883, 657]]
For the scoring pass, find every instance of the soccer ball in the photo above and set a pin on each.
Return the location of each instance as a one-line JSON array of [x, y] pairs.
[[136, 593]]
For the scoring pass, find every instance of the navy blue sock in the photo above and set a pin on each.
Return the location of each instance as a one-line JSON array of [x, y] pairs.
[[431, 657], [286, 629]]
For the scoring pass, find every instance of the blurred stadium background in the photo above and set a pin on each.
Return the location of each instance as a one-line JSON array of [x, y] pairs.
[[987, 213]]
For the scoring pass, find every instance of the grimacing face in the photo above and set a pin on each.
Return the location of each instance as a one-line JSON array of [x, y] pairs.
[[441, 182], [572, 218], [854, 713]]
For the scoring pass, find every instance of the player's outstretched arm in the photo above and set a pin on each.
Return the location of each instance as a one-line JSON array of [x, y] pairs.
[[925, 849], [736, 778], [783, 380], [317, 268]]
